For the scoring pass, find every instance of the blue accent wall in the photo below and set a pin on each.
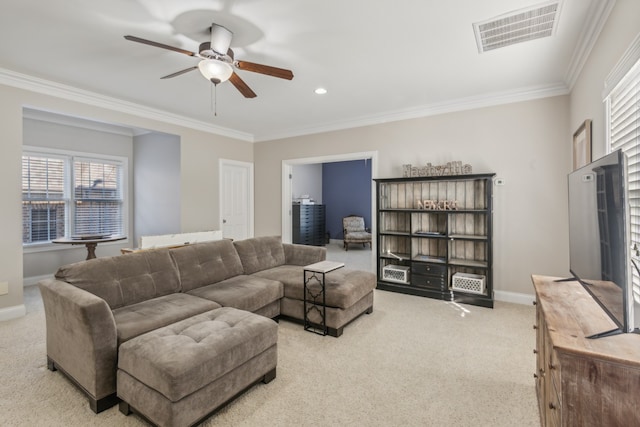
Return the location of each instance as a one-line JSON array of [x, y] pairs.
[[346, 190]]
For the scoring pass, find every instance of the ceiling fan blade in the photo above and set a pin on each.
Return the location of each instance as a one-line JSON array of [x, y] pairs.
[[160, 45], [220, 38], [241, 86], [265, 69], [178, 73]]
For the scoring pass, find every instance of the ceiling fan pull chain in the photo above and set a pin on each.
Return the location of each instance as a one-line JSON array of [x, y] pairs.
[[214, 99]]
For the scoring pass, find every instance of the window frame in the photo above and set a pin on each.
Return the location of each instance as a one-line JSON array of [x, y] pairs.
[[70, 157], [623, 79]]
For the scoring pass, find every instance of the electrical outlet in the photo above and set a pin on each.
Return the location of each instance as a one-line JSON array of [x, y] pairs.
[[499, 181], [4, 288]]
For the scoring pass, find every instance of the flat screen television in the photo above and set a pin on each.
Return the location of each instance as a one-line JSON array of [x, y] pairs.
[[599, 237]]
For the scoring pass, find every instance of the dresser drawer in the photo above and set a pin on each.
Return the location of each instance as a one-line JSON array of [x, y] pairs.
[[437, 282], [429, 269]]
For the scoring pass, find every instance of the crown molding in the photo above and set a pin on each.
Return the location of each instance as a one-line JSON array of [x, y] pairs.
[[629, 59], [46, 87], [462, 104], [598, 14], [22, 81], [34, 113]]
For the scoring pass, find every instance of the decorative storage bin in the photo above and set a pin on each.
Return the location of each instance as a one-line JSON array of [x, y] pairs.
[[396, 273], [467, 282]]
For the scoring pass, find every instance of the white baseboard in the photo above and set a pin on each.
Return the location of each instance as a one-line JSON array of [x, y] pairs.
[[518, 298], [12, 312], [17, 311]]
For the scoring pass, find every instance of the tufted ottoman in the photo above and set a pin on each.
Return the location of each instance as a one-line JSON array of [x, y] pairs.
[[178, 375]]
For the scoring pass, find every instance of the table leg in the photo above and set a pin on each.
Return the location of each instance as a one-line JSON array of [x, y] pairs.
[[91, 250], [311, 302]]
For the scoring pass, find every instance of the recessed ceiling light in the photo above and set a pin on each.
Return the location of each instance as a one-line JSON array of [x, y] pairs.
[[320, 91]]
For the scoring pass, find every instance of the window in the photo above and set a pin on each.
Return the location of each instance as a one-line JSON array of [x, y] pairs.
[[623, 131], [97, 197], [43, 198], [66, 194]]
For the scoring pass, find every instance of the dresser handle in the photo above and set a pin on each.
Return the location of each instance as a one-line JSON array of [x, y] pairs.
[[535, 303], [535, 351], [552, 406], [535, 376], [535, 326]]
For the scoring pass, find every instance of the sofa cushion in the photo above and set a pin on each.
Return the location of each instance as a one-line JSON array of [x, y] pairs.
[[249, 293], [126, 279], [205, 263], [296, 254], [140, 318], [344, 287], [260, 253]]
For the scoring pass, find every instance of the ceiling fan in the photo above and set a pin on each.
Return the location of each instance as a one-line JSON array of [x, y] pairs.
[[217, 61]]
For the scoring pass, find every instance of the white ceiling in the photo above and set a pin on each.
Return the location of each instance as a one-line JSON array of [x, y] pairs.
[[379, 60]]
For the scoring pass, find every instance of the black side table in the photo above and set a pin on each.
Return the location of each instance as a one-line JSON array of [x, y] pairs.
[[314, 297]]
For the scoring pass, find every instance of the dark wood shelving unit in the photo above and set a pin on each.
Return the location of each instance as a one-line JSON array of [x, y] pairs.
[[436, 253]]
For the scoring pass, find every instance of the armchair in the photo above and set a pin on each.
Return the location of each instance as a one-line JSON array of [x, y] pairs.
[[355, 231]]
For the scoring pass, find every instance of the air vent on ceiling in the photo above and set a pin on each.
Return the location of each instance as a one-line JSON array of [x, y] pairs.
[[517, 27]]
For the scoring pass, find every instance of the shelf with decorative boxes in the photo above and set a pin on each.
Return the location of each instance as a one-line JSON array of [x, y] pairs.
[[438, 232]]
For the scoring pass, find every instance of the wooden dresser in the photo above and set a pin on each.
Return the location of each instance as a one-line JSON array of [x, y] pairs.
[[580, 381]]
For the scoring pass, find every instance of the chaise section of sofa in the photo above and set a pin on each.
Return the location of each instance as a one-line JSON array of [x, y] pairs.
[[349, 292]]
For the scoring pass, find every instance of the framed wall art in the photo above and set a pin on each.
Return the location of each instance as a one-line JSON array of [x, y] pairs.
[[582, 145]]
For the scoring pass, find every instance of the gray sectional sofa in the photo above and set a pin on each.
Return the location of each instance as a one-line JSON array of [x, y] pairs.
[[94, 307]]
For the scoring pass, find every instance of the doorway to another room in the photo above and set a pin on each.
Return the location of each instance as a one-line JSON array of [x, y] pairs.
[[343, 184]]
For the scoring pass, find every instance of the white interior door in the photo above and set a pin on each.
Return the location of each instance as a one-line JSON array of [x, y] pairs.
[[236, 199]]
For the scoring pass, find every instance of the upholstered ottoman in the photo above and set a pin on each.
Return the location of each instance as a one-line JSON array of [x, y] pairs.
[[178, 375]]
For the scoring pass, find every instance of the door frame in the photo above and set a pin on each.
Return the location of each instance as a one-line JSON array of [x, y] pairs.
[[250, 195], [287, 170]]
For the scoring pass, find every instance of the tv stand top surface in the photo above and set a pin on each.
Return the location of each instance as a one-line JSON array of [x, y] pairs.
[[572, 315]]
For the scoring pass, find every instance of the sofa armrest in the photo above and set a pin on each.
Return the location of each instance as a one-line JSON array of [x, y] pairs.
[[81, 336], [295, 254]]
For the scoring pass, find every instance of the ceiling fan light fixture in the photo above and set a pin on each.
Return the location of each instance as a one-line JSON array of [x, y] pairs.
[[214, 70]]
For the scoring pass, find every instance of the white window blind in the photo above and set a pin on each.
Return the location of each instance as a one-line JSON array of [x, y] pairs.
[[97, 196], [68, 195], [623, 120], [44, 200]]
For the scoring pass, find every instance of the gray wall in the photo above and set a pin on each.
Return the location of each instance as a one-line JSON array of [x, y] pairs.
[[156, 185], [307, 179]]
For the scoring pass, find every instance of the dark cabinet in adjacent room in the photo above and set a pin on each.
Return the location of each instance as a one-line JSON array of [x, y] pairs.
[[309, 224]]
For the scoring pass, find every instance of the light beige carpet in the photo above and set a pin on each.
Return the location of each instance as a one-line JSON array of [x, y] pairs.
[[413, 362]]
